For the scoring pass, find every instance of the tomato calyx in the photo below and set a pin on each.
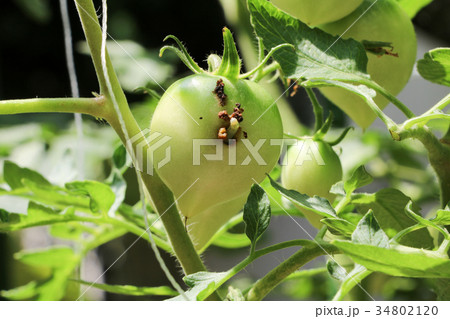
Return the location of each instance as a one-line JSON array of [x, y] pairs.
[[229, 65]]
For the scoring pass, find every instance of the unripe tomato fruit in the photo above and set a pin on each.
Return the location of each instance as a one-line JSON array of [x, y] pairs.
[[203, 226], [387, 22], [315, 12], [312, 168], [188, 113]]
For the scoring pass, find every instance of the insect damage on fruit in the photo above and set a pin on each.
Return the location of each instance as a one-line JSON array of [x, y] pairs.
[[219, 91], [231, 128]]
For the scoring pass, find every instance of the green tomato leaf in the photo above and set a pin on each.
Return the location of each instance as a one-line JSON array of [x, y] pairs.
[[318, 55], [359, 178], [69, 230], [351, 279], [442, 217], [14, 174], [339, 226], [119, 156], [132, 290], [368, 232], [388, 207], [435, 66], [101, 196], [338, 188], [256, 213], [401, 261], [335, 270], [54, 257], [37, 215], [317, 204], [25, 292], [56, 196], [412, 7], [202, 284]]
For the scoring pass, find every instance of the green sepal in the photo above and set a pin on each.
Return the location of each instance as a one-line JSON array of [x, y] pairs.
[[230, 67], [341, 137], [325, 127], [182, 54]]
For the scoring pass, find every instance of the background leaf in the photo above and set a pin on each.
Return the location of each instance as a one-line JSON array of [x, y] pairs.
[[339, 226], [388, 207], [359, 178], [435, 66], [14, 174], [442, 217], [101, 196], [368, 232], [317, 204], [202, 284], [395, 262], [318, 55], [54, 257]]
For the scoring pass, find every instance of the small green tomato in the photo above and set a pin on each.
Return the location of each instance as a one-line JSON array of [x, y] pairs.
[[312, 167]]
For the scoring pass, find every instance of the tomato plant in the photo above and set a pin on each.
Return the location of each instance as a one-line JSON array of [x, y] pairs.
[[199, 165]]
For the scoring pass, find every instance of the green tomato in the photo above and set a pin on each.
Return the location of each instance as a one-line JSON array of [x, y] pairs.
[[312, 167], [385, 21], [203, 226], [315, 12], [204, 171]]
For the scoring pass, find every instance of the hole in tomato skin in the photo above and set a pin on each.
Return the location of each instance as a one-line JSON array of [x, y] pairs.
[[231, 128], [219, 91]]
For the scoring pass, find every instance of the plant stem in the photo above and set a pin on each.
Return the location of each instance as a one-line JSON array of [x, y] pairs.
[[423, 119], [438, 155], [350, 284], [162, 197], [402, 107], [263, 286], [95, 106], [439, 105], [259, 253], [317, 108]]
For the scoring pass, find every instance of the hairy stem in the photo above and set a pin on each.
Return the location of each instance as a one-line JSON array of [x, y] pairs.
[[263, 286], [438, 155]]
